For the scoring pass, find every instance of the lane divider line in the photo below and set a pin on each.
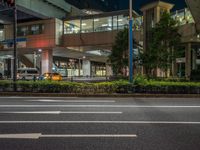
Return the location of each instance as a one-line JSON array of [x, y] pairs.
[[57, 112], [39, 135], [72, 101], [95, 106], [99, 122]]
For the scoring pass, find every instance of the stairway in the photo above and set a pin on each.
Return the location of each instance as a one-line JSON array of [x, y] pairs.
[[26, 61]]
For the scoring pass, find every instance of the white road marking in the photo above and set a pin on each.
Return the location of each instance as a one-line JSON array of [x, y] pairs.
[[91, 136], [21, 136], [30, 112], [99, 122], [58, 112], [72, 101], [39, 135], [100, 106], [25, 97], [99, 112]]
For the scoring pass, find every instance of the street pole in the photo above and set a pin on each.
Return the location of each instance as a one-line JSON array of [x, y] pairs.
[[15, 47], [131, 42]]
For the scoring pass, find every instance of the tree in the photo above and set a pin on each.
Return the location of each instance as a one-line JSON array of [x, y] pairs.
[[164, 45], [119, 54]]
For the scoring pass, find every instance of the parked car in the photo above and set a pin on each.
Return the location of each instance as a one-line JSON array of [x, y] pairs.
[[51, 76], [27, 73]]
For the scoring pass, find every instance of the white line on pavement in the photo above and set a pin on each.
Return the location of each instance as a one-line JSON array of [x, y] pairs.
[[58, 112], [72, 101], [21, 136], [25, 97], [39, 135], [99, 122], [99, 112], [104, 106], [30, 112]]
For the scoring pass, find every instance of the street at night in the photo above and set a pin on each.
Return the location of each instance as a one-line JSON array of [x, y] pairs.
[[28, 123]]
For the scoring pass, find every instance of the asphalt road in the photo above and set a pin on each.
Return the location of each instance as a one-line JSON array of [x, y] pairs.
[[48, 123]]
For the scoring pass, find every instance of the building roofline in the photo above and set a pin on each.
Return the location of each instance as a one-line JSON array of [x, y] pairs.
[[104, 14], [157, 2]]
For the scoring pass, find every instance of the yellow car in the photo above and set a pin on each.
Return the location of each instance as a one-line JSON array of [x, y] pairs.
[[52, 76]]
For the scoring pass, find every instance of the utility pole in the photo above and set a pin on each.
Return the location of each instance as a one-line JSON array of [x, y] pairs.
[[15, 47], [130, 41]]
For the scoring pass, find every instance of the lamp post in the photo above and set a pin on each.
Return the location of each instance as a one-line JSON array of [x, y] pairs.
[[15, 47], [130, 41]]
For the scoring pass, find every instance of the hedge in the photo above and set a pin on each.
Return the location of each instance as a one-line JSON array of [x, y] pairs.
[[122, 86]]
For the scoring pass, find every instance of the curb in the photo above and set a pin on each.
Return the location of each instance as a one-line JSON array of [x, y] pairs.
[[100, 95]]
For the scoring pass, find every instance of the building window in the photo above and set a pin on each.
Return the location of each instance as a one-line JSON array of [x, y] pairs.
[[30, 30], [103, 24], [1, 35], [87, 26], [36, 29], [115, 23], [72, 27], [22, 31], [123, 22]]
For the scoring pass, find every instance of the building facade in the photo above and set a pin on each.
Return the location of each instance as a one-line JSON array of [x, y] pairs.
[[80, 45]]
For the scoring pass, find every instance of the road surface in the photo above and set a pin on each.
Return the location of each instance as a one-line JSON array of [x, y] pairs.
[[50, 123]]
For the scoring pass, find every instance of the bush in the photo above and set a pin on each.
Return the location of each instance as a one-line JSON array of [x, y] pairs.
[[141, 85]]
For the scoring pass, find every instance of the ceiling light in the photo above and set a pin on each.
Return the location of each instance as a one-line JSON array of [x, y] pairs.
[[96, 20]]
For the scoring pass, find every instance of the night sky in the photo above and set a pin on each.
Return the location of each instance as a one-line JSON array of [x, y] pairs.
[[179, 4]]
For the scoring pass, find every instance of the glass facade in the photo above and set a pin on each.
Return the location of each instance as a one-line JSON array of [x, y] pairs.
[[30, 30], [87, 26], [100, 24], [72, 27], [183, 16], [1, 34]]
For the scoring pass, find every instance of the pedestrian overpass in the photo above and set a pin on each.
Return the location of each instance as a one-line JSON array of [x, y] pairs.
[[194, 6], [37, 9]]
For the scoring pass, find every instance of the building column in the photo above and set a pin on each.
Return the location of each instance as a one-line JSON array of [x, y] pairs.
[[188, 60], [194, 57], [86, 68], [47, 61], [109, 71]]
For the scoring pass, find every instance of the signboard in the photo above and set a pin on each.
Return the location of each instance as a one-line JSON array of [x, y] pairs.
[[8, 44], [198, 61], [180, 60]]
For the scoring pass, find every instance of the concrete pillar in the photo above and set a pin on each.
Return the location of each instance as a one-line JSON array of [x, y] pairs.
[[109, 71], [47, 61], [194, 57], [144, 31], [12, 68], [86, 68], [188, 60]]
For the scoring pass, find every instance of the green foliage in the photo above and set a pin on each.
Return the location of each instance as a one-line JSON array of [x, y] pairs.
[[119, 55], [164, 45], [140, 80], [122, 86]]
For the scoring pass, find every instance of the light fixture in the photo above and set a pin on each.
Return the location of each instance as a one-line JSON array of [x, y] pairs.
[[40, 50], [95, 20], [104, 25], [84, 24]]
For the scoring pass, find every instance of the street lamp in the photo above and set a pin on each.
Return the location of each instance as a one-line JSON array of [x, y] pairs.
[[130, 41], [15, 44]]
